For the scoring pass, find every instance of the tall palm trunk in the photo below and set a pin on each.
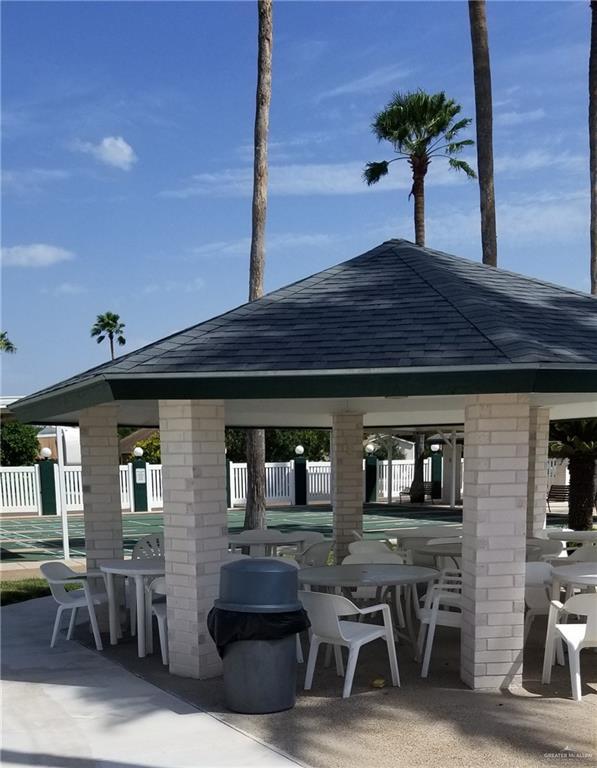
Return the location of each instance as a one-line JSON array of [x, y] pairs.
[[593, 143], [484, 115], [582, 492], [419, 167], [111, 340], [417, 488], [255, 510]]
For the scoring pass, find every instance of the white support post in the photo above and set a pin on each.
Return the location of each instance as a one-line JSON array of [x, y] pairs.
[[347, 474], [100, 470], [195, 528], [538, 479], [496, 445], [62, 493]]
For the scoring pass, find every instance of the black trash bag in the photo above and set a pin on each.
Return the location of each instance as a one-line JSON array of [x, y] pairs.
[[227, 627]]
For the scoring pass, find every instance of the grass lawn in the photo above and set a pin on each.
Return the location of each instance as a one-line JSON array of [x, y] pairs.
[[18, 590]]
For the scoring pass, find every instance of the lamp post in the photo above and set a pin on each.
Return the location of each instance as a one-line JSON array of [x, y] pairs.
[[370, 473], [300, 476]]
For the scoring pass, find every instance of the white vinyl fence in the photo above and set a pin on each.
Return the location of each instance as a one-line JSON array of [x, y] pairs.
[[19, 490]]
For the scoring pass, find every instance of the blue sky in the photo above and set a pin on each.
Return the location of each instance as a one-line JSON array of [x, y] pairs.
[[127, 133]]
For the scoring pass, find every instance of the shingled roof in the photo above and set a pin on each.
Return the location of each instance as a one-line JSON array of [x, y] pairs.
[[396, 310]]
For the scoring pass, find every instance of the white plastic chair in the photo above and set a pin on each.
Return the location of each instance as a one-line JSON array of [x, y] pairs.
[[145, 548], [324, 612], [537, 593], [362, 546], [372, 593], [585, 554], [576, 636], [58, 575], [443, 607], [545, 549], [159, 610], [356, 535], [316, 555]]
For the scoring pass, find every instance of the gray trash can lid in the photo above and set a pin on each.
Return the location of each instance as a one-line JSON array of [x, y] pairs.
[[258, 585]]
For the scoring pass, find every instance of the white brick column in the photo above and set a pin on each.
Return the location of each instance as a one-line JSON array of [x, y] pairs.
[[538, 455], [100, 468], [347, 479], [195, 528], [496, 446]]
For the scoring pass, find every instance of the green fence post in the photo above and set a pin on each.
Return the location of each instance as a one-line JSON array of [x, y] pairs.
[[300, 481], [140, 484], [371, 478], [47, 488], [436, 475]]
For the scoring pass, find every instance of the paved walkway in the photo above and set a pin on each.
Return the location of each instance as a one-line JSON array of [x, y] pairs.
[[69, 707]]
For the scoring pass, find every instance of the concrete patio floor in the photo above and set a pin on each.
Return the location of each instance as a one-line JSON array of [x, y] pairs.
[[433, 723], [69, 707]]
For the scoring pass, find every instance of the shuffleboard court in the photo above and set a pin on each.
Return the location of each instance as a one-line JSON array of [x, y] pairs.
[[40, 538]]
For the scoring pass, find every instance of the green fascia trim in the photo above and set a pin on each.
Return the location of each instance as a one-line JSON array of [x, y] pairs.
[[282, 386]]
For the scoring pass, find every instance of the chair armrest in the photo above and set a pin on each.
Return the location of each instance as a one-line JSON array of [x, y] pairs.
[[557, 605], [373, 608]]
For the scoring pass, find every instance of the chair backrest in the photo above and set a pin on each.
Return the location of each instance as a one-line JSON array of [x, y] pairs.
[[315, 555], [54, 573], [356, 535], [536, 589], [355, 547], [311, 537], [362, 558], [585, 605], [158, 586], [547, 546], [558, 493], [148, 547], [324, 612], [585, 554]]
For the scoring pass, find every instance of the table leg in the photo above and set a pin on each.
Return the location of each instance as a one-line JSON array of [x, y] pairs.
[[140, 597], [112, 608], [92, 617], [408, 617]]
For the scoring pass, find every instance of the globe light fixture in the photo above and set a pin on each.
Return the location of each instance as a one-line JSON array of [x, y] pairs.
[[299, 450], [45, 452], [138, 452], [369, 448], [435, 447]]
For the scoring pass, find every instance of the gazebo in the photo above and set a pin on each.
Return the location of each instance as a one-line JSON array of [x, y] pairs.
[[398, 336]]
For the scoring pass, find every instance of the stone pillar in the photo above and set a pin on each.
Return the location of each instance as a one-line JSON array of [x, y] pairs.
[[195, 528], [100, 470], [347, 479], [496, 445], [538, 481]]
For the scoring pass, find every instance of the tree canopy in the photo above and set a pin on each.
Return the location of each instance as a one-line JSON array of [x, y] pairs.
[[19, 446]]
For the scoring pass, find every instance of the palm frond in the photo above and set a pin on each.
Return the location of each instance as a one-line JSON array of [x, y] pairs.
[[374, 171], [461, 165]]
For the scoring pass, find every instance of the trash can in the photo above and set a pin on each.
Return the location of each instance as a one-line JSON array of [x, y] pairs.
[[254, 624]]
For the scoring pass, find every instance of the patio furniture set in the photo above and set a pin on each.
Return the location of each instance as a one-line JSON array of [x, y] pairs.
[[377, 577]]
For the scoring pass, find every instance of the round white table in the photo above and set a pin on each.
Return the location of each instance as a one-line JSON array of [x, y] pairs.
[[371, 575], [582, 573], [261, 543], [567, 534], [138, 570]]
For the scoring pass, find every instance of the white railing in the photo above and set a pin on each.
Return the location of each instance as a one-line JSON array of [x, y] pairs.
[[279, 482], [319, 481], [155, 493], [402, 476], [19, 490], [73, 488]]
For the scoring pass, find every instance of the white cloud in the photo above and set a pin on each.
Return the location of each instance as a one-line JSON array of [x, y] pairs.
[[378, 78], [35, 255], [69, 289], [309, 179], [536, 159], [514, 117], [283, 241], [112, 150], [30, 179]]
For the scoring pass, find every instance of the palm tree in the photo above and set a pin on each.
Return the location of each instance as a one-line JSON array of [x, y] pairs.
[[6, 344], [484, 113], [109, 326], [593, 143], [420, 126], [577, 442], [255, 516]]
